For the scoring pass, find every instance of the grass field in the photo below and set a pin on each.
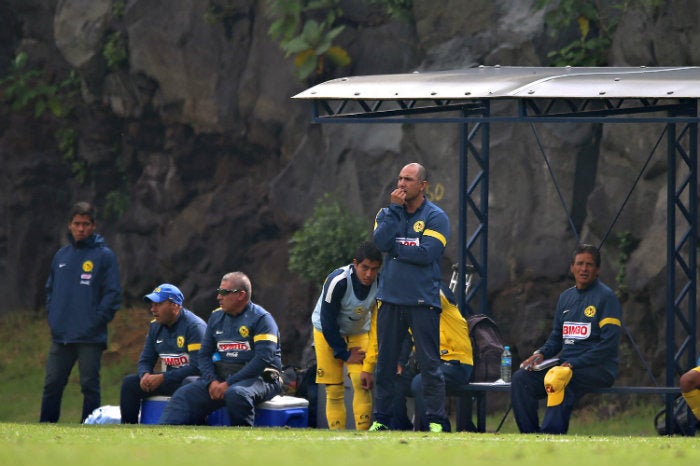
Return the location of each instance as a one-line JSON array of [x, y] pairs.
[[607, 430], [34, 444], [25, 342]]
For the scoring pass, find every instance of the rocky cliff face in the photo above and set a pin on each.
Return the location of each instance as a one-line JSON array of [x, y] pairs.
[[219, 166]]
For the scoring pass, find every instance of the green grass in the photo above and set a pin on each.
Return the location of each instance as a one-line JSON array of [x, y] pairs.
[[33, 444], [593, 417], [26, 341]]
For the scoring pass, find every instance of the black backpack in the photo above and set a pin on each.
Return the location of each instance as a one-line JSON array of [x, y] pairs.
[[681, 420], [487, 346], [308, 389]]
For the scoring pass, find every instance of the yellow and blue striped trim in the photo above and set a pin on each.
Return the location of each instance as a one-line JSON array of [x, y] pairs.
[[611, 321], [437, 235], [265, 337]]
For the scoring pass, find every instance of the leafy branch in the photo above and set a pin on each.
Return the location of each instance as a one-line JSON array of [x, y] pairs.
[[306, 29], [327, 240], [30, 87], [25, 87], [596, 20]]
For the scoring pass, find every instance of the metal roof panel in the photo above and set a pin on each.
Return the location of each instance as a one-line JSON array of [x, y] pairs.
[[516, 82]]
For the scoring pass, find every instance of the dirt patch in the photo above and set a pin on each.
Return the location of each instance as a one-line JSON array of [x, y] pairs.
[[127, 333]]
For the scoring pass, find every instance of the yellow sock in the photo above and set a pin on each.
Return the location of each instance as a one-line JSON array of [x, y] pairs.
[[335, 407], [361, 403], [693, 399]]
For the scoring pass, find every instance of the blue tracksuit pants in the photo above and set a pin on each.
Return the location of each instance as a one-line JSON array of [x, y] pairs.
[[191, 403], [393, 322], [527, 388]]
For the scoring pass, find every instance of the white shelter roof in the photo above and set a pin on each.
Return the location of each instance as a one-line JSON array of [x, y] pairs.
[[516, 82]]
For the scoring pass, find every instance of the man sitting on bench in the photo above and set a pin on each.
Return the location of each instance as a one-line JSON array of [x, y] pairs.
[[586, 331]]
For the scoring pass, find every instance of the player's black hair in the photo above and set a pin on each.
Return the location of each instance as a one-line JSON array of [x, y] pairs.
[[590, 249], [368, 250], [82, 208]]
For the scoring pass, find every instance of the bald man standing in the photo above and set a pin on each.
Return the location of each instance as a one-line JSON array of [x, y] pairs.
[[412, 232]]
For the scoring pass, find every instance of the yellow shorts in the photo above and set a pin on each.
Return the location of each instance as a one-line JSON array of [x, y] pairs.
[[329, 369]]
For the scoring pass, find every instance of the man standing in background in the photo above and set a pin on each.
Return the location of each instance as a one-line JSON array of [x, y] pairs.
[[412, 232], [82, 295]]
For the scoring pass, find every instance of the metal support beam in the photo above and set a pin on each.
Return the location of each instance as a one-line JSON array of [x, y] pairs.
[[681, 250], [473, 205]]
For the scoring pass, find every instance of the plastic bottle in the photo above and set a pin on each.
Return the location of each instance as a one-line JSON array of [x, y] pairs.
[[506, 364]]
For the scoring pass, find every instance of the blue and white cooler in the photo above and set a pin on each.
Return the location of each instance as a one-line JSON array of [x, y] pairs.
[[283, 411], [152, 407], [277, 412]]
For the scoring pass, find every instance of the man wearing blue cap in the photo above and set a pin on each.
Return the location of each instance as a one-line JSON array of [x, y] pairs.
[[174, 336]]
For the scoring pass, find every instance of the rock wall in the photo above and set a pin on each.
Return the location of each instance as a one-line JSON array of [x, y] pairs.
[[221, 166]]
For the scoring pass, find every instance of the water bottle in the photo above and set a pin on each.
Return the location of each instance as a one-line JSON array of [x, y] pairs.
[[506, 364]]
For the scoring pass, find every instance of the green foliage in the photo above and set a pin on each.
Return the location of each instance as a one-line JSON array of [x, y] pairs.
[[118, 9], [399, 9], [218, 11], [114, 51], [314, 47], [23, 87], [118, 199], [305, 30], [67, 138], [327, 240], [67, 141], [597, 21], [116, 203], [30, 87]]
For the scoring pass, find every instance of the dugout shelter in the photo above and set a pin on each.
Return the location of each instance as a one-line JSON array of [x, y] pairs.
[[471, 98]]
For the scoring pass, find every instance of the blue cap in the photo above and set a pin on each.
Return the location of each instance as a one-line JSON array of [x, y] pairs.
[[165, 292]]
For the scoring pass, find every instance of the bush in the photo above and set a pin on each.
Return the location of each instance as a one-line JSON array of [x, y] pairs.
[[327, 240]]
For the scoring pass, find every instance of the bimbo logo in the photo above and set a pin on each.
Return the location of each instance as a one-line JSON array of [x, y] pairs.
[[175, 360], [576, 330], [233, 346], [408, 241]]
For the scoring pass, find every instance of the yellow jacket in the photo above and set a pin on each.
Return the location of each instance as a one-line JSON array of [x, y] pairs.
[[455, 343], [370, 361]]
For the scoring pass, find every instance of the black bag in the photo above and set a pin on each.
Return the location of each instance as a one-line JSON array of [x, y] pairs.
[[681, 419], [487, 346], [307, 388]]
